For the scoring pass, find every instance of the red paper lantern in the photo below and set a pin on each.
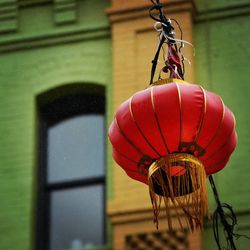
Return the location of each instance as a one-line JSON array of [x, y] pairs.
[[170, 136]]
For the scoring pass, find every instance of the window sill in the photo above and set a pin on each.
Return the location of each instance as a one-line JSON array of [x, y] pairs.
[[107, 247]]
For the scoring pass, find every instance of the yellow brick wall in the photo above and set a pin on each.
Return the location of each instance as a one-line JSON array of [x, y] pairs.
[[134, 44]]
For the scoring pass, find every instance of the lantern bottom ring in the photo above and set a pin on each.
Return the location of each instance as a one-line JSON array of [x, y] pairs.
[[180, 180]]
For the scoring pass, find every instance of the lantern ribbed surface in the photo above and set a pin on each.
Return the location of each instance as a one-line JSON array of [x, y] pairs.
[[170, 137], [176, 117]]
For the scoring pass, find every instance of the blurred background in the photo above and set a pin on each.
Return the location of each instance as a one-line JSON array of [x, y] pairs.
[[66, 65]]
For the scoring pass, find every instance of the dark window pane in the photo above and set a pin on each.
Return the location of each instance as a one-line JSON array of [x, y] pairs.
[[76, 148], [77, 218]]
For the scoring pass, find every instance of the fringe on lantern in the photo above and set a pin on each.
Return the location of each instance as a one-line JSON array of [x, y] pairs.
[[179, 181]]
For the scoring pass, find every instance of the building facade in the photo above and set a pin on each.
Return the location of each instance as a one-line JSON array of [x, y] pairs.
[[210, 26], [68, 59], [54, 55]]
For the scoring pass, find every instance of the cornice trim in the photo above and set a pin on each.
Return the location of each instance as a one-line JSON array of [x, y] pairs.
[[53, 39], [8, 16], [223, 12], [129, 12], [64, 12], [26, 3], [132, 7], [132, 216], [119, 13]]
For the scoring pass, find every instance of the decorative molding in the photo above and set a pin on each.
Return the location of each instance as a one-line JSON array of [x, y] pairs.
[[128, 11], [64, 11], [24, 3], [134, 216], [8, 16], [130, 216], [53, 39], [223, 12]]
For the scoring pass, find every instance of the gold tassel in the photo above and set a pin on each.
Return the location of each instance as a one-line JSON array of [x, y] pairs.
[[180, 181]]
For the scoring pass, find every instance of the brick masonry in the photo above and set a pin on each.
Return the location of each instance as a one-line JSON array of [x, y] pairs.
[[24, 74], [220, 65]]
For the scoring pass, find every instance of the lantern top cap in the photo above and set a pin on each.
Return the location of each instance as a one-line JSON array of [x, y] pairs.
[[168, 80]]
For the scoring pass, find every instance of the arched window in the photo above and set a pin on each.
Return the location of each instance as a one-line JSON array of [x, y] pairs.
[[71, 193]]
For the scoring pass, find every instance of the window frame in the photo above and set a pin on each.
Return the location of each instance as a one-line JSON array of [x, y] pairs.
[[59, 108]]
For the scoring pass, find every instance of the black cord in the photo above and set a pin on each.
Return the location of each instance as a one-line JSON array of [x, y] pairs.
[[168, 30], [228, 227], [155, 60], [219, 212]]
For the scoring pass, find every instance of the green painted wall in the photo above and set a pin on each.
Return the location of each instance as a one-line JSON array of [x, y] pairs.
[[222, 65], [205, 5], [41, 51], [39, 56]]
